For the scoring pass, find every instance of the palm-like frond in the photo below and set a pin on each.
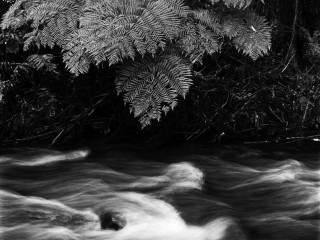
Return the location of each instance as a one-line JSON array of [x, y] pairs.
[[254, 38], [76, 58], [203, 31], [42, 62], [115, 30], [200, 34], [52, 21], [55, 21], [13, 17], [151, 85]]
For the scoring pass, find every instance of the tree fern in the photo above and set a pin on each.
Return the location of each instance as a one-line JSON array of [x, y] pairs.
[[98, 31], [151, 85]]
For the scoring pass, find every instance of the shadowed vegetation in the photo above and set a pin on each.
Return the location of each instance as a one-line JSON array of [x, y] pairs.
[[64, 62]]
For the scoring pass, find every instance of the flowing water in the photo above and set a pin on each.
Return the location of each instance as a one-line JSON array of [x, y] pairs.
[[230, 193]]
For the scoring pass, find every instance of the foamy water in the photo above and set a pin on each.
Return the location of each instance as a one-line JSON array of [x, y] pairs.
[[52, 195], [45, 158]]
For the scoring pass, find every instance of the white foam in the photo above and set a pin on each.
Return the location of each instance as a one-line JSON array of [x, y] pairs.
[[184, 176], [47, 159], [176, 177], [149, 218], [217, 229]]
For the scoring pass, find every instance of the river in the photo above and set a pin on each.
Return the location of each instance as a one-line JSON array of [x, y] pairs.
[[182, 193]]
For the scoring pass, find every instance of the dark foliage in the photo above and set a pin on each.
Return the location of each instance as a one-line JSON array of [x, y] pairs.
[[232, 97]]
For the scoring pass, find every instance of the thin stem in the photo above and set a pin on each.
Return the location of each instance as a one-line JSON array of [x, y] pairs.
[[293, 27]]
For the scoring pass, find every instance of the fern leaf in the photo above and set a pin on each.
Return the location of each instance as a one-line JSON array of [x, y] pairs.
[[152, 84], [209, 19], [200, 41], [120, 28], [42, 62], [75, 57], [241, 4], [13, 17], [237, 3], [200, 34], [254, 39]]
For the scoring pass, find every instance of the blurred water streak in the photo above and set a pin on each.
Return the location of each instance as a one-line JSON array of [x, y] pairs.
[[197, 194]]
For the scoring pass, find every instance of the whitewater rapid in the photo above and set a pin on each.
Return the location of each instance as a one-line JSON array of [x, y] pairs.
[[52, 195]]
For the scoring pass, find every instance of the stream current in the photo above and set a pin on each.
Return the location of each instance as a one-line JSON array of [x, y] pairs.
[[187, 193]]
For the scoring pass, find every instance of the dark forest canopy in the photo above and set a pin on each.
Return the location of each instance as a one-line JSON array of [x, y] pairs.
[[237, 68]]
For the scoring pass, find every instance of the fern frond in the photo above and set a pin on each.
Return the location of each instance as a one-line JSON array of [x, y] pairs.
[[29, 39], [232, 24], [200, 35], [152, 84], [52, 21], [97, 31], [241, 4], [58, 19], [116, 30], [76, 59], [42, 13], [237, 3], [254, 39], [210, 19], [42, 62], [13, 17], [198, 41]]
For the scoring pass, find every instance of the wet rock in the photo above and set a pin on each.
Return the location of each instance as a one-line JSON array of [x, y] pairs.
[[111, 221]]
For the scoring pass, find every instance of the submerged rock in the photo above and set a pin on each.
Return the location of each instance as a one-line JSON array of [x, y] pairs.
[[111, 221], [69, 220]]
